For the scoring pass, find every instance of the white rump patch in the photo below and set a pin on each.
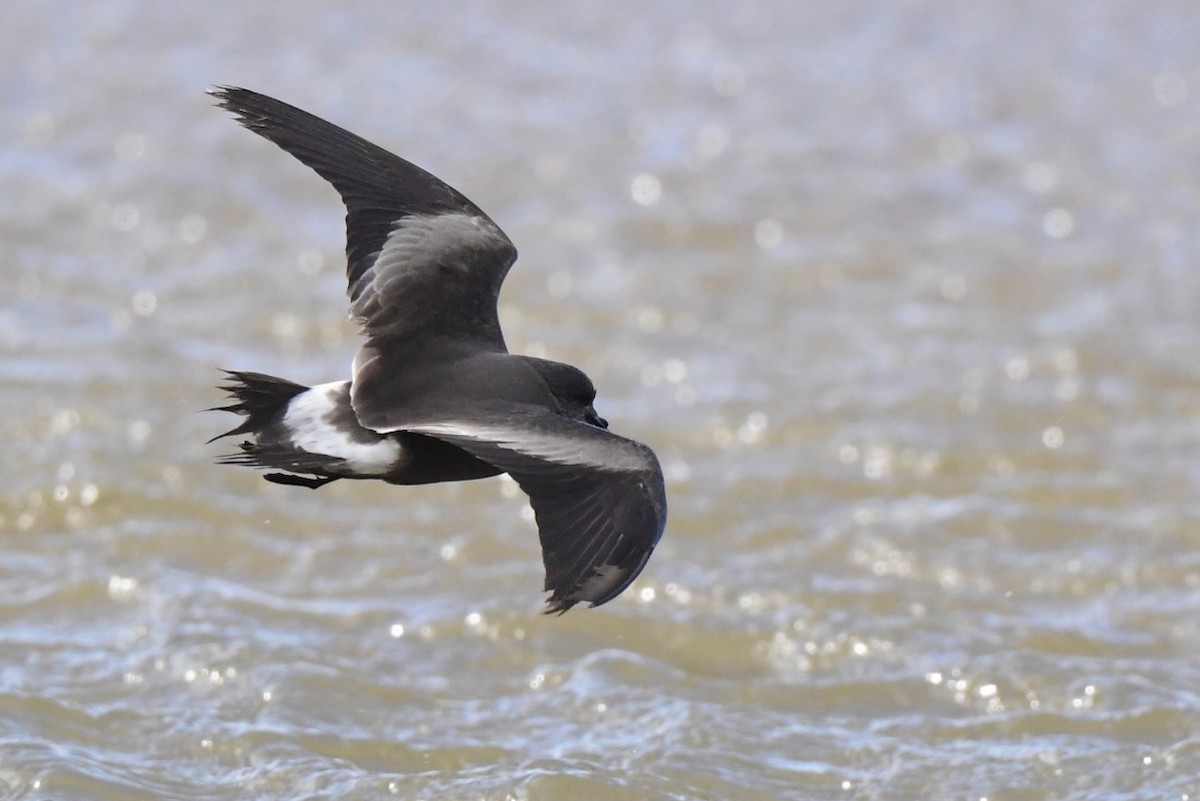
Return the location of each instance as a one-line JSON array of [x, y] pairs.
[[307, 420]]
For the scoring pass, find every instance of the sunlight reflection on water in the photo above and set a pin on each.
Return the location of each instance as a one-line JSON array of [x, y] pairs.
[[904, 299]]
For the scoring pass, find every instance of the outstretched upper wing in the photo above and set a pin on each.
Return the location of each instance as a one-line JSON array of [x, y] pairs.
[[598, 498], [423, 262]]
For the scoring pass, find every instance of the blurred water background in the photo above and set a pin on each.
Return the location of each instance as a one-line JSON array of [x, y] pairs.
[[904, 295]]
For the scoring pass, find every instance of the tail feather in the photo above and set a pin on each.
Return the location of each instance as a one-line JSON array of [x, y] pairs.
[[256, 454], [259, 398]]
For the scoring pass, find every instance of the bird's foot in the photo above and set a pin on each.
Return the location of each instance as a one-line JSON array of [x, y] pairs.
[[298, 481]]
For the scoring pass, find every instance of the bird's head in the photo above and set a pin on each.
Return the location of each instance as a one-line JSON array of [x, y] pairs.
[[573, 391]]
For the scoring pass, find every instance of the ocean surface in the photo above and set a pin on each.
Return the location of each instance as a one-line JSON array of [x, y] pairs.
[[904, 296]]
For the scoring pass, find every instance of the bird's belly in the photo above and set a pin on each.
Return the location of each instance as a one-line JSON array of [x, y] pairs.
[[426, 460]]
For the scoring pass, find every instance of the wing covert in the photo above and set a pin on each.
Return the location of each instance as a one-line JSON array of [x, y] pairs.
[[421, 259], [598, 498]]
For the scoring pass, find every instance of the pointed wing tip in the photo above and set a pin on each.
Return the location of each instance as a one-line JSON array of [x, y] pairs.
[[560, 606], [248, 107], [232, 99], [605, 583], [242, 103], [557, 607], [222, 93]]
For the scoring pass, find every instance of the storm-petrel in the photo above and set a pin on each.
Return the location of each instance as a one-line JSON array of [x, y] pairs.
[[434, 395]]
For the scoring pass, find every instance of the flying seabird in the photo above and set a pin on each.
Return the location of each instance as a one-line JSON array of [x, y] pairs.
[[434, 395]]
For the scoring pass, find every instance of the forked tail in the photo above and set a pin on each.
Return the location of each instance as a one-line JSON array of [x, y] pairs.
[[261, 399], [264, 400]]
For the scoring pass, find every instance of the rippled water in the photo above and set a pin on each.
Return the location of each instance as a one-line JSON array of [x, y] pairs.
[[905, 298]]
